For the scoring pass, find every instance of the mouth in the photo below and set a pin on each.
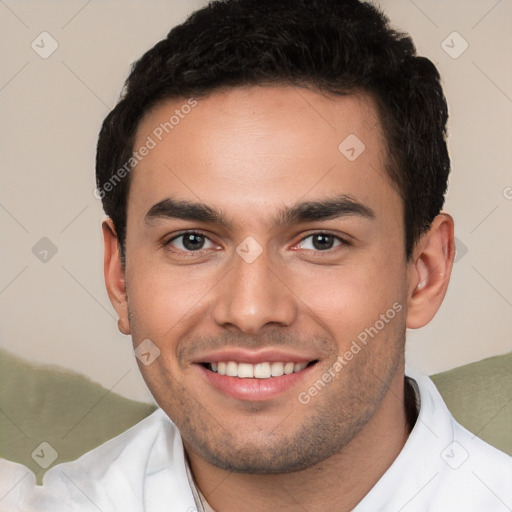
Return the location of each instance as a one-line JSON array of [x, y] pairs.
[[255, 377], [264, 370]]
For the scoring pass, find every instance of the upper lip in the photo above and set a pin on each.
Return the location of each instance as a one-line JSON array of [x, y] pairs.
[[253, 356]]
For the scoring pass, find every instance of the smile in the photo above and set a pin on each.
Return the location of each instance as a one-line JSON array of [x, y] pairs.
[[256, 381], [265, 370]]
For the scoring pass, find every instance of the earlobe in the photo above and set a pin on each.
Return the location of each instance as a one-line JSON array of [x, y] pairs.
[[114, 275], [429, 271]]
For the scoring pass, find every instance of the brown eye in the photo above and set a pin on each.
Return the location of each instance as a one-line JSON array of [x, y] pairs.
[[321, 242], [190, 242]]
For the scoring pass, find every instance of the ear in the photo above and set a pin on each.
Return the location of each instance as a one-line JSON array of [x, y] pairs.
[[429, 271], [114, 275]]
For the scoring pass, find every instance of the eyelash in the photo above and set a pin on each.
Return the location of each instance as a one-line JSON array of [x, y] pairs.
[[343, 241]]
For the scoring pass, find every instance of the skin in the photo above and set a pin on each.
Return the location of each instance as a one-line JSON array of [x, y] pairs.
[[250, 152]]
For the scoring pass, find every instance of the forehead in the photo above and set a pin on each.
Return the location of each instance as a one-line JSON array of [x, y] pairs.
[[252, 148]]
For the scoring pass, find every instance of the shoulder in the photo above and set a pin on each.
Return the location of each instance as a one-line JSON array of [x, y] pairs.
[[472, 475], [476, 475], [113, 476], [123, 459]]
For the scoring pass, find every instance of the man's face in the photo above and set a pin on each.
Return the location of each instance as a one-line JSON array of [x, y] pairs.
[[260, 287]]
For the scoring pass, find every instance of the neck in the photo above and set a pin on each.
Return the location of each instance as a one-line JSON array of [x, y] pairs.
[[344, 478]]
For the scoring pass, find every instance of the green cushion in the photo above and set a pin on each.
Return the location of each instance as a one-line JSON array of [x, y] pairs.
[[74, 415], [65, 409], [479, 395]]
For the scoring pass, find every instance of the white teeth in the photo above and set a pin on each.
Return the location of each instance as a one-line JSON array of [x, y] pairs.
[[257, 371], [288, 368], [232, 369], [245, 370], [277, 369], [262, 370]]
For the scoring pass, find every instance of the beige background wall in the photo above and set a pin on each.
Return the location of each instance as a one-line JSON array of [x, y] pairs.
[[57, 311]]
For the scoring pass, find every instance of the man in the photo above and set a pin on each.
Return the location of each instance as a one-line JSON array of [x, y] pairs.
[[273, 178]]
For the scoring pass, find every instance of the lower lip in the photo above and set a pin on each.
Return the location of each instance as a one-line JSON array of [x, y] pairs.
[[254, 390]]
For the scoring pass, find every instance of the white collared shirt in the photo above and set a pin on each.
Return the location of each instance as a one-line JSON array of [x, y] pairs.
[[441, 468]]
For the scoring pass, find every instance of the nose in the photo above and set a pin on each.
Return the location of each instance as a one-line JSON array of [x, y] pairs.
[[254, 295]]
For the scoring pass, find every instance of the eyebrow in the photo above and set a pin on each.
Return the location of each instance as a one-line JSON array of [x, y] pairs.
[[302, 212]]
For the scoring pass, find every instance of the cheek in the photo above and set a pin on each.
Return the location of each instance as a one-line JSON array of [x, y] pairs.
[[161, 297], [349, 298], [161, 377]]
